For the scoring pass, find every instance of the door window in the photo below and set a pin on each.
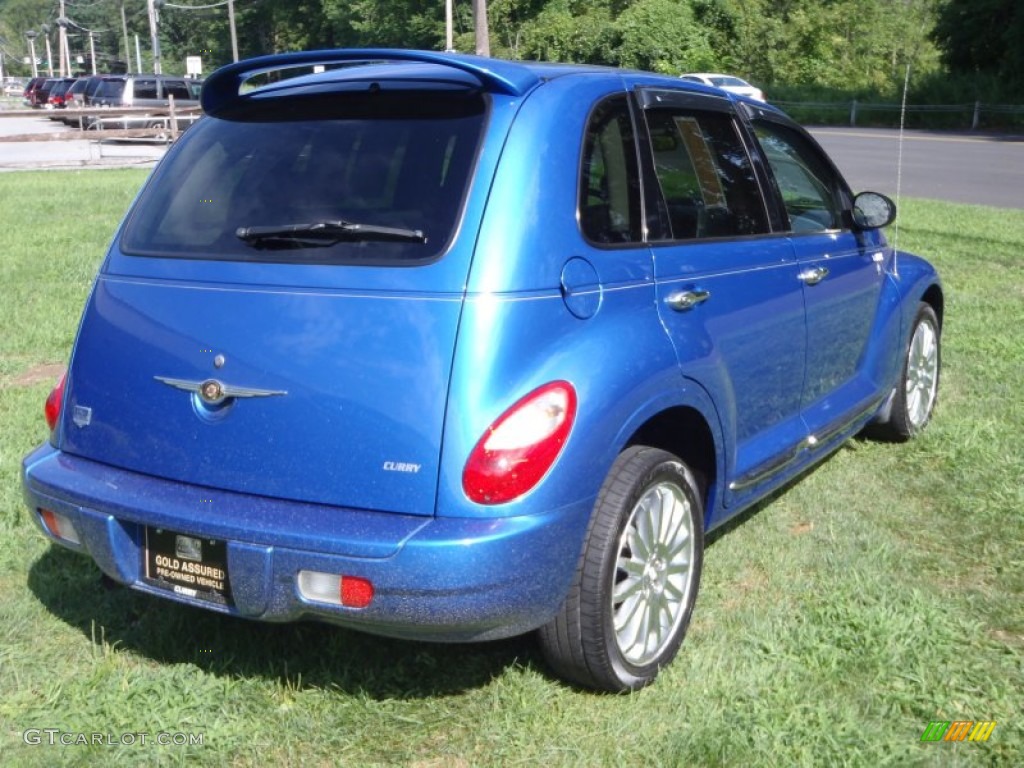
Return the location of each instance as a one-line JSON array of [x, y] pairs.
[[809, 187], [705, 175]]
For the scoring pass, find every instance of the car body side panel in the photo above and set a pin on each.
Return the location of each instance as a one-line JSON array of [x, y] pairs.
[[745, 343]]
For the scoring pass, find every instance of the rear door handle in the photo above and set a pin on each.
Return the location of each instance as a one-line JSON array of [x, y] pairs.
[[813, 276], [684, 300]]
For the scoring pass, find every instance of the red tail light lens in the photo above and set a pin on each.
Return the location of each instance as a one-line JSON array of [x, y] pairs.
[[520, 447], [54, 402]]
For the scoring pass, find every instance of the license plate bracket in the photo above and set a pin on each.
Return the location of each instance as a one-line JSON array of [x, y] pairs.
[[188, 565]]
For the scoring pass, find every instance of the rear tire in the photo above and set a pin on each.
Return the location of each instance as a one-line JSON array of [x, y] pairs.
[[631, 599]]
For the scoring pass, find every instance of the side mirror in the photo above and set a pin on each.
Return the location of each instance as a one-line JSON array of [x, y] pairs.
[[873, 210]]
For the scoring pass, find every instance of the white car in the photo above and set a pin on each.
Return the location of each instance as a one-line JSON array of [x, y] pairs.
[[726, 83]]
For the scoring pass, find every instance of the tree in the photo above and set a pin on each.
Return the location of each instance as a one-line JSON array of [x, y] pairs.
[[983, 37]]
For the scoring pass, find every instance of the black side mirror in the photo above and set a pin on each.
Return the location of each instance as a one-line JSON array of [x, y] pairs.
[[873, 210]]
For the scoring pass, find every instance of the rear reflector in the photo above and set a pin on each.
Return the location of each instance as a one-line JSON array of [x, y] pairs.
[[59, 525], [350, 591]]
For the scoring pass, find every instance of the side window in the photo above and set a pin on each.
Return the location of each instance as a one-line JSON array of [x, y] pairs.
[[809, 187], [144, 89], [177, 89], [609, 206], [705, 175]]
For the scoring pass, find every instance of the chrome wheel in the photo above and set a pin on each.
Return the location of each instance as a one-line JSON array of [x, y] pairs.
[[626, 612], [654, 573], [922, 376]]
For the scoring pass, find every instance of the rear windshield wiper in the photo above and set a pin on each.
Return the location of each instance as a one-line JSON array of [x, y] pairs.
[[325, 233]]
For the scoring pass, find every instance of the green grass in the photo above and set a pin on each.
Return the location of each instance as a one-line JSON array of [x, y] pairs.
[[881, 592]]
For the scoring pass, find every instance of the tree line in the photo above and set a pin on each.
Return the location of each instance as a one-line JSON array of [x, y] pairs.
[[852, 46]]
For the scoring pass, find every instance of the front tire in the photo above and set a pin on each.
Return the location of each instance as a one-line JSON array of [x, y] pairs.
[[631, 599], [918, 388]]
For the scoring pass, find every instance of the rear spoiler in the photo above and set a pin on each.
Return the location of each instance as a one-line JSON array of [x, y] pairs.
[[221, 90]]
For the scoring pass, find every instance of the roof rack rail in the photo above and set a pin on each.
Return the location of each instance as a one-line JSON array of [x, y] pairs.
[[221, 89]]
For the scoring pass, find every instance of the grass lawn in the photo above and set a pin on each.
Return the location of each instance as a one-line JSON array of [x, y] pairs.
[[883, 591]]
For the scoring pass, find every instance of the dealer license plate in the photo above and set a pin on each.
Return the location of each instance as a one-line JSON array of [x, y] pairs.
[[187, 565]]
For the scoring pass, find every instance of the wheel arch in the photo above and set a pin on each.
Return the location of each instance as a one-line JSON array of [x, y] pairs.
[[934, 297], [683, 431]]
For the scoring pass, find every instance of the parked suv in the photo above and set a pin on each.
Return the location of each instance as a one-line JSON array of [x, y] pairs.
[[142, 91], [31, 88], [58, 92], [452, 348]]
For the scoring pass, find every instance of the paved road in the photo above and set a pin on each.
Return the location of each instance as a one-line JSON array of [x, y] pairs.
[[31, 155], [962, 167]]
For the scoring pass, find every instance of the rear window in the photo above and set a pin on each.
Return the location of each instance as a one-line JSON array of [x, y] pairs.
[[110, 89], [394, 160]]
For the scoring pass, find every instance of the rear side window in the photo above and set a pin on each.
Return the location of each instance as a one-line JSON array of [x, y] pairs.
[[144, 89], [177, 89], [705, 174], [609, 179], [395, 160]]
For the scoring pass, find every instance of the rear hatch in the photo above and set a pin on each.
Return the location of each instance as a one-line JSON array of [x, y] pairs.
[[279, 312]]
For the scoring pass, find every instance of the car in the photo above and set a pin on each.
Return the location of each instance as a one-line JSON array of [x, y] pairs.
[[37, 93], [14, 87], [450, 348], [93, 82], [58, 92], [729, 83], [30, 88], [74, 96], [140, 90]]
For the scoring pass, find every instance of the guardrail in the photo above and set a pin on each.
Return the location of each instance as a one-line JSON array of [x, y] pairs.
[[101, 123], [973, 114]]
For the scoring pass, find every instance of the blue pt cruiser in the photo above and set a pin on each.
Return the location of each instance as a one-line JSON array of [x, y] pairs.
[[444, 347]]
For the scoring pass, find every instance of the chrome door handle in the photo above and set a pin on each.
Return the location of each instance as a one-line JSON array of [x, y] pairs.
[[684, 300], [813, 276]]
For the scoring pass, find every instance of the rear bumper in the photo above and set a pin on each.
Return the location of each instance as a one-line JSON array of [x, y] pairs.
[[435, 578]]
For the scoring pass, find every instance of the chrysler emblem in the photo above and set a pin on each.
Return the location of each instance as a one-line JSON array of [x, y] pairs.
[[213, 392]]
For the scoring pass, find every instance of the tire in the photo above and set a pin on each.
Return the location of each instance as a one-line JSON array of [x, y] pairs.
[[914, 399], [629, 573]]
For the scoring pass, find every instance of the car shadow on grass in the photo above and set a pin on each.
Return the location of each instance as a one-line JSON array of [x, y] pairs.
[[304, 655]]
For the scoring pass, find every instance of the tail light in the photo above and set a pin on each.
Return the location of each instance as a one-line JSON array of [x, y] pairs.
[[54, 402], [519, 448]]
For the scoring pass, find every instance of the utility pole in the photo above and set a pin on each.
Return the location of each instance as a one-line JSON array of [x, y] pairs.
[[49, 50], [127, 44], [483, 42], [62, 40], [449, 39], [92, 51], [31, 35], [234, 34], [154, 36]]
